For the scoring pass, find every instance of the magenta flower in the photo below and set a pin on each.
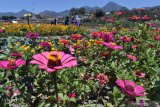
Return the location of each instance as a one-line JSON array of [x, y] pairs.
[[157, 38], [32, 35], [125, 39], [102, 79], [119, 13], [112, 45], [1, 31], [12, 64], [45, 44], [140, 74], [158, 29], [13, 93], [130, 88], [107, 36], [131, 57], [53, 61], [76, 36], [72, 95], [16, 55]]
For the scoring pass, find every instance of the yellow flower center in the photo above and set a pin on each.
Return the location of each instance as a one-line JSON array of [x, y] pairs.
[[54, 59], [112, 43], [54, 56]]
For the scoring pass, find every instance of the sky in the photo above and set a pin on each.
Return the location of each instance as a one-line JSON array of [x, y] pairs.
[[37, 6]]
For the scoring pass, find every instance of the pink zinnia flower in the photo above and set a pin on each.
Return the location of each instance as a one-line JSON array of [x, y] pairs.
[[72, 95], [130, 88], [131, 57], [102, 79], [76, 36], [32, 35], [64, 41], [53, 61], [140, 74], [95, 34], [13, 93], [125, 39], [1, 31], [107, 36], [157, 38], [17, 55], [12, 64], [120, 13], [111, 19], [158, 29], [146, 18], [135, 46], [112, 45], [45, 44]]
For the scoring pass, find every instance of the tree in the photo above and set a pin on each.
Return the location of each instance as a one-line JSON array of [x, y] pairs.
[[99, 13], [82, 11], [11, 17], [73, 11], [38, 16], [4, 17]]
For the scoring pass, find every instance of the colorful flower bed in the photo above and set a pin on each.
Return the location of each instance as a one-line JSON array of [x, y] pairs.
[[112, 67], [43, 29]]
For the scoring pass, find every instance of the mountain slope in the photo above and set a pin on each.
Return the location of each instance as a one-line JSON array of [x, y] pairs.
[[111, 6]]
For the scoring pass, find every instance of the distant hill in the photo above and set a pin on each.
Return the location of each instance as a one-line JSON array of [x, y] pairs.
[[18, 14], [111, 6], [88, 8], [48, 13]]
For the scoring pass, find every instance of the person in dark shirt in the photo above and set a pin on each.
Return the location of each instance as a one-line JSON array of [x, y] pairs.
[[55, 21], [67, 21]]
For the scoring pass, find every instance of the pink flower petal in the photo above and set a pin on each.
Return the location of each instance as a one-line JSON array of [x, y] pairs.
[[130, 83], [58, 67], [3, 64], [65, 56], [68, 59], [20, 62], [42, 67], [50, 70], [70, 64], [36, 62], [120, 83], [45, 54], [139, 89], [41, 58]]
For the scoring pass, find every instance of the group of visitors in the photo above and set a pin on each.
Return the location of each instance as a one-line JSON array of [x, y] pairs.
[[74, 21], [54, 21]]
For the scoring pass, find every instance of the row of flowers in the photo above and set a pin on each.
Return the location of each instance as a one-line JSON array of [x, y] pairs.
[[9, 29]]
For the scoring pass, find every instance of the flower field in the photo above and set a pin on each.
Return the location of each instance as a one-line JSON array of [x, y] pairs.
[[21, 29], [114, 66]]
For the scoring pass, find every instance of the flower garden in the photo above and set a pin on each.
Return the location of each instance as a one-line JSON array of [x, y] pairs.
[[114, 66], [21, 29]]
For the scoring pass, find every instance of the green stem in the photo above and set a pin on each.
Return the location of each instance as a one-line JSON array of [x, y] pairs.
[[14, 79], [121, 101], [98, 96], [56, 89]]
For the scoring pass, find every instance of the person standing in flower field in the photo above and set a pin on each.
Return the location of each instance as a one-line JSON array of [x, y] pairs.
[[52, 21], [67, 21], [55, 21], [78, 21]]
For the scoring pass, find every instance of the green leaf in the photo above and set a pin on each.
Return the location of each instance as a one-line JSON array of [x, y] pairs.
[[109, 105], [3, 56], [41, 104]]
